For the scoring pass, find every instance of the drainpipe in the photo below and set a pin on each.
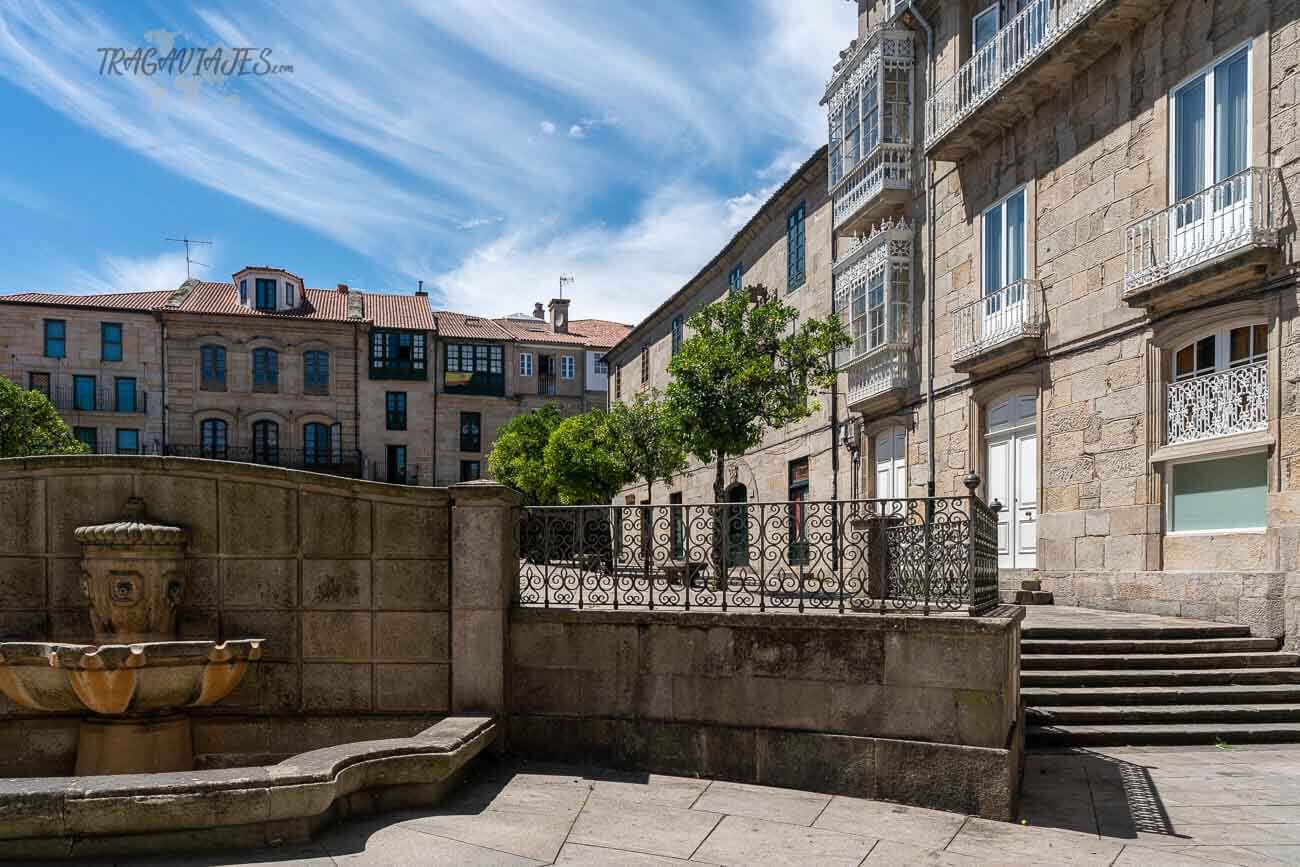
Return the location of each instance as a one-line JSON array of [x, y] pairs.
[[163, 389], [929, 271]]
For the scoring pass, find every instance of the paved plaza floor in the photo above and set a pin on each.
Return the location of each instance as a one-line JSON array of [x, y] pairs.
[[1152, 806]]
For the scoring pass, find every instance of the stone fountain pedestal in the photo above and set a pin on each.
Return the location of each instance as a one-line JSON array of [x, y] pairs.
[[136, 680]]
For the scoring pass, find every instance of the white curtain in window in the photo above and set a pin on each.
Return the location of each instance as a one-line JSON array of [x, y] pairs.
[[993, 250], [1015, 216], [1189, 140], [1230, 118]]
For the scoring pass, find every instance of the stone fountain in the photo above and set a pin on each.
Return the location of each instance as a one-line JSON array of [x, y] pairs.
[[137, 679]]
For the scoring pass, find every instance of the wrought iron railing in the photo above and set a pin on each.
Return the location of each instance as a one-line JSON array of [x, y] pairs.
[[1028, 35], [1012, 312], [925, 555], [69, 399], [887, 167], [1231, 216], [335, 462], [1229, 402]]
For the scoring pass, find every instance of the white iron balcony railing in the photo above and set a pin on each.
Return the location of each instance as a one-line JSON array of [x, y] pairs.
[[887, 167], [1228, 402], [1000, 317], [1025, 37], [1230, 217], [883, 369]]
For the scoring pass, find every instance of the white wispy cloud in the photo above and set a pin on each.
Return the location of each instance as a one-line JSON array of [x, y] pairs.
[[406, 124], [130, 274]]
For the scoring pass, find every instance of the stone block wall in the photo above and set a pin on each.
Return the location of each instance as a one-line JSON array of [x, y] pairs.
[[833, 703]]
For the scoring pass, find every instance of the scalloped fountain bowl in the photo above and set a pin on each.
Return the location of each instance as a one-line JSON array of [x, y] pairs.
[[137, 680]]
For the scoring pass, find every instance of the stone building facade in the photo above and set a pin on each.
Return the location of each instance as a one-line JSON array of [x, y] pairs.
[[263, 369], [1061, 235]]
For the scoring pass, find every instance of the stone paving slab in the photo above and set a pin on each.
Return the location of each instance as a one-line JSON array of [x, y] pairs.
[[653, 829], [763, 802], [740, 841]]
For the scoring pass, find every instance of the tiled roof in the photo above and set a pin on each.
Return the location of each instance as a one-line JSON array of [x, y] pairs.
[[528, 332], [468, 327], [141, 301], [600, 332], [223, 299], [399, 311]]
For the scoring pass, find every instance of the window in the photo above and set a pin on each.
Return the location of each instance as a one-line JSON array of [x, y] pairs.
[[567, 367], [55, 347], [474, 368], [243, 291], [322, 444], [395, 410], [128, 441], [471, 439], [290, 295], [735, 278], [1224, 349], [110, 341], [212, 438], [39, 382], [678, 528], [1004, 243], [88, 437], [1210, 134], [212, 368], [645, 364], [83, 393], [799, 551], [266, 370], [618, 383], [896, 101], [316, 372], [397, 355], [891, 464], [601, 367], [396, 465], [265, 294], [677, 334], [525, 364], [794, 249], [266, 442], [470, 471], [1223, 494], [124, 397]]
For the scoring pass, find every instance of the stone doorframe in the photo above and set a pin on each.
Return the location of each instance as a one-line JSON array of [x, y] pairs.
[[984, 393]]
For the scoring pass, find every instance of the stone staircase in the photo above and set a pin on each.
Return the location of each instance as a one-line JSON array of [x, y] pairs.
[[1155, 681]]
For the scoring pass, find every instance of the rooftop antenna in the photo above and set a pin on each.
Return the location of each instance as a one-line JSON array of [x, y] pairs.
[[565, 280], [188, 261]]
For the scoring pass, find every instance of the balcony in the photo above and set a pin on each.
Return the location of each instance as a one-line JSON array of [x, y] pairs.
[[873, 290], [68, 399], [999, 330], [879, 379], [1208, 242], [1030, 59], [1226, 403], [869, 110]]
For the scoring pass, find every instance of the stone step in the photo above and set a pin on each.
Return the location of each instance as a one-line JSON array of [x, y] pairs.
[[1158, 677], [1170, 645], [1024, 597], [1060, 661], [1031, 584], [1139, 735], [1153, 633], [1041, 696], [1162, 714]]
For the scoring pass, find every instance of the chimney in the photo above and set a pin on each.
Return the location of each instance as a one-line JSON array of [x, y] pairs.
[[343, 287], [420, 291], [559, 308], [538, 313]]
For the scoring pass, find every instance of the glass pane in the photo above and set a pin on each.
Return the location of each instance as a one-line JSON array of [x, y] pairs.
[[1205, 354], [1225, 494], [1259, 345], [993, 250], [1239, 345], [1230, 117], [1189, 140], [986, 27], [1015, 207]]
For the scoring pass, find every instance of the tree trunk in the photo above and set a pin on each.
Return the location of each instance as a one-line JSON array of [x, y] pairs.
[[720, 525], [719, 489]]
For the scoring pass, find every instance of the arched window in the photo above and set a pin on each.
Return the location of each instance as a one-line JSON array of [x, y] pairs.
[[891, 463], [316, 372], [1220, 385], [212, 368], [213, 438], [1222, 350], [266, 442], [322, 444], [266, 370]]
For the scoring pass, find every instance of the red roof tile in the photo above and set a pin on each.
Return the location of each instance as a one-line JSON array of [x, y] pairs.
[[141, 301], [223, 299], [399, 311], [533, 330], [600, 333], [463, 325]]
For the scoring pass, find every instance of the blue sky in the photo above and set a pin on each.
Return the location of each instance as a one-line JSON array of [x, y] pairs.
[[484, 146]]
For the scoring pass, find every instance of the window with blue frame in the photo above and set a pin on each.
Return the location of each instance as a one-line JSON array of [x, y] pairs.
[[265, 294], [477, 368], [55, 332], [212, 373], [734, 278], [83, 393], [795, 249], [124, 394], [212, 436], [316, 372], [397, 355], [322, 444], [243, 291], [395, 410], [128, 441], [677, 334], [110, 334], [266, 370], [88, 437]]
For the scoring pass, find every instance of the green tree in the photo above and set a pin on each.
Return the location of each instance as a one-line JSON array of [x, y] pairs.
[[518, 456], [649, 442], [30, 426], [747, 366], [584, 461]]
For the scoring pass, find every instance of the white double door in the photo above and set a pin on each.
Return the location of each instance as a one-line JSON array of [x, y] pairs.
[[1012, 460]]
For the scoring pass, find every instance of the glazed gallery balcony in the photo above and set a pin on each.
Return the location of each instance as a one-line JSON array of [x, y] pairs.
[[873, 290], [1029, 59], [1212, 240], [869, 110], [1003, 328]]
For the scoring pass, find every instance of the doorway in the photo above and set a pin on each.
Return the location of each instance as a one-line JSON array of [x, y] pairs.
[[1011, 458]]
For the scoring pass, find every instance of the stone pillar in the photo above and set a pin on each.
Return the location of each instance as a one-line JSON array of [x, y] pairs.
[[484, 579]]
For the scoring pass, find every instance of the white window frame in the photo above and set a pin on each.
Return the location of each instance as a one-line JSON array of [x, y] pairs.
[[525, 364], [1000, 206], [1171, 467], [1222, 346], [566, 367], [601, 368], [897, 463], [1207, 72], [289, 290], [975, 19]]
